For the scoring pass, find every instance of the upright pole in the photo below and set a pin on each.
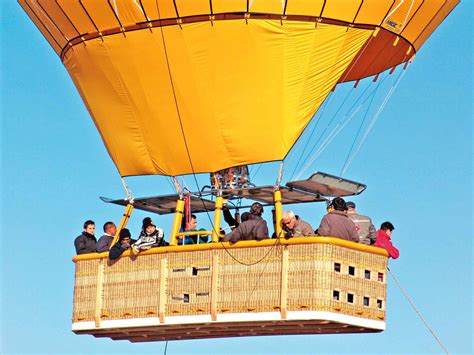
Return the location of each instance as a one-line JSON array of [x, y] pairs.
[[278, 213], [178, 218], [123, 223], [217, 219]]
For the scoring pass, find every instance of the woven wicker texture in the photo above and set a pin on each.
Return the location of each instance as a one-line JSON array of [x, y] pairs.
[[244, 287], [189, 283], [85, 290], [321, 277], [131, 288]]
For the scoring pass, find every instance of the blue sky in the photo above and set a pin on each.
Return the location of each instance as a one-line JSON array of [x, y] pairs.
[[416, 162]]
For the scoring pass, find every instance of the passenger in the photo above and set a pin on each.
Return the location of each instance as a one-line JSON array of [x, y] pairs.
[[329, 209], [123, 244], [384, 241], [150, 237], [86, 242], [193, 239], [106, 240], [253, 226], [363, 224], [337, 223], [230, 220], [293, 226]]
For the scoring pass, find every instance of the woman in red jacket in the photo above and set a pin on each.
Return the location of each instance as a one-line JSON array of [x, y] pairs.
[[383, 239]]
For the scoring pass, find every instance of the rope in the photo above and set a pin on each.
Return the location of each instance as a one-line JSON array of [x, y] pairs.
[[249, 297], [359, 130], [277, 243], [256, 171], [166, 348], [374, 119], [280, 174], [418, 312], [323, 110], [127, 191], [348, 70], [338, 128], [327, 127]]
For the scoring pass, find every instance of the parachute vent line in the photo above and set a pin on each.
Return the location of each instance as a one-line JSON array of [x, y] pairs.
[[45, 27], [372, 123], [92, 21], [68, 18], [45, 13], [178, 21], [418, 312], [144, 14], [117, 17]]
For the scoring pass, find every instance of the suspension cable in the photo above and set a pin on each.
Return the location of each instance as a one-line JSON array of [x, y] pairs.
[[127, 191], [418, 312], [329, 124], [374, 119], [359, 130], [256, 171], [280, 175], [323, 110], [339, 127]]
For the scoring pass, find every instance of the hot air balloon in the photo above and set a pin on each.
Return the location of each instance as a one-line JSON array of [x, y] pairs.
[[181, 87]]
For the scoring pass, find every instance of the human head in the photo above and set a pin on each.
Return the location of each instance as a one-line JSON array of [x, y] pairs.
[[89, 227], [148, 225], [256, 209], [193, 222], [110, 228], [245, 216], [339, 204], [288, 219], [387, 227], [351, 207], [124, 236]]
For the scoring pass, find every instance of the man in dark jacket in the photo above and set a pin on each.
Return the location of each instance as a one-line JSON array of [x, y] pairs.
[[86, 242], [106, 240], [123, 244], [255, 228], [337, 223]]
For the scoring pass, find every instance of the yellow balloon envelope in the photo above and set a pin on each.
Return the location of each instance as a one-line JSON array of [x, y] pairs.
[[183, 86]]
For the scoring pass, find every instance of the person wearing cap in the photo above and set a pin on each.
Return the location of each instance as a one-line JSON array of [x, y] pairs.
[[86, 242], [124, 242], [293, 226], [106, 240], [363, 224], [150, 237], [337, 223], [254, 228], [384, 235]]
